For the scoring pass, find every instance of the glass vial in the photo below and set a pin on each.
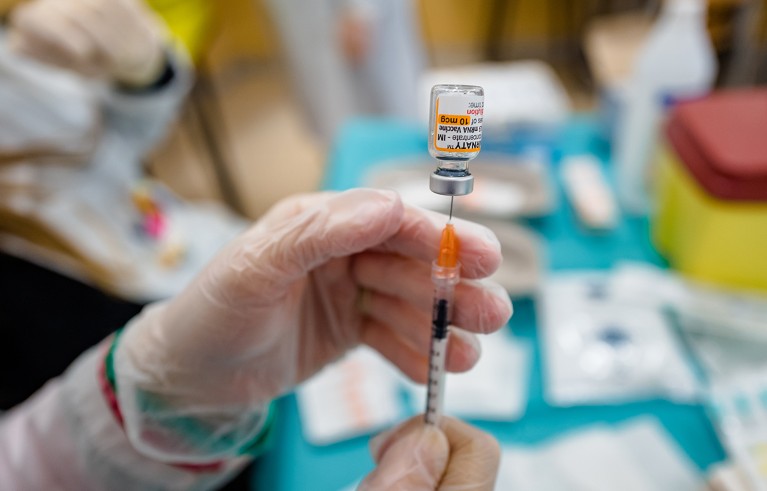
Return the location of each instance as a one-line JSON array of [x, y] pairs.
[[455, 136]]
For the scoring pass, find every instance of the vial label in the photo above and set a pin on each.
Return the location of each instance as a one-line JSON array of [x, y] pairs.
[[458, 123]]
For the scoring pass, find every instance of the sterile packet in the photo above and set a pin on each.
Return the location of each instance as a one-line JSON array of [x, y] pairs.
[[357, 395], [637, 455], [363, 393], [599, 348], [701, 307], [495, 389], [726, 330], [739, 409]]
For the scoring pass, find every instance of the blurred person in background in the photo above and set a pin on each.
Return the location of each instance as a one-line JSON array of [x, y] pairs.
[[183, 396], [87, 89], [351, 58]]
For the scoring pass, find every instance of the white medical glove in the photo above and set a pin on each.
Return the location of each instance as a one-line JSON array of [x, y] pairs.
[[419, 457], [315, 277], [121, 40]]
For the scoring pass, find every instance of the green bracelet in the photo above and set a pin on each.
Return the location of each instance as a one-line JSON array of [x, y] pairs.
[[194, 428]]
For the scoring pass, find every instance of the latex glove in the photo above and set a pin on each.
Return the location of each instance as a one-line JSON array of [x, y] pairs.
[[419, 457], [283, 301], [121, 40]]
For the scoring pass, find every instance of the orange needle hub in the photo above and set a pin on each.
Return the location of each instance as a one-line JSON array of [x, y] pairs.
[[448, 248]]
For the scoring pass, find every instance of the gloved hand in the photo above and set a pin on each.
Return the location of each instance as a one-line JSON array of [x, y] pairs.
[[121, 40], [419, 457], [316, 276]]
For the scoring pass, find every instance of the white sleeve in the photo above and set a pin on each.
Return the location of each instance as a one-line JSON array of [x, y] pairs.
[[65, 437]]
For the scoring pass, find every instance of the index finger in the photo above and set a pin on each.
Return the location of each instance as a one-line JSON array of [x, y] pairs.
[[419, 236]]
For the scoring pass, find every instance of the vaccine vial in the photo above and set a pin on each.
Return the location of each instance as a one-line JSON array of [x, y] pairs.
[[455, 136]]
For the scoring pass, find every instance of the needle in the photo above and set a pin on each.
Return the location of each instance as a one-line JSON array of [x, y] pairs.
[[450, 218]]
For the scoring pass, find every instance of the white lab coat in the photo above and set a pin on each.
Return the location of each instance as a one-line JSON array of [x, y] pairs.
[[65, 438]]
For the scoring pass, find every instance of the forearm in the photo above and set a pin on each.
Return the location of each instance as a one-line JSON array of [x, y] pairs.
[[176, 414], [36, 445], [65, 436]]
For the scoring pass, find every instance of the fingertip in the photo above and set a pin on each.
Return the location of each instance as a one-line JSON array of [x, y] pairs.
[[504, 308], [491, 240], [412, 456], [492, 256], [482, 306], [470, 444], [510, 312], [414, 431], [496, 308], [463, 351], [433, 441], [481, 255], [378, 443], [487, 262]]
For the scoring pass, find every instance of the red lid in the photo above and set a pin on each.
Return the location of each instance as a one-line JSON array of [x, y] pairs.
[[722, 140]]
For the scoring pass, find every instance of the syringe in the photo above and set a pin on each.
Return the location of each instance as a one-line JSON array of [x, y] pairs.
[[455, 137], [445, 273]]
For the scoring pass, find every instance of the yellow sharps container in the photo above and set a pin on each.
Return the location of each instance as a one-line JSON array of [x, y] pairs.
[[189, 22], [711, 220]]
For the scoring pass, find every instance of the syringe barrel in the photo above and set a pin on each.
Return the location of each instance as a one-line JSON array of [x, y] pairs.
[[455, 136], [444, 280]]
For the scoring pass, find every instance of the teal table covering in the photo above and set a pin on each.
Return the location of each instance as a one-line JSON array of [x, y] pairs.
[[293, 464]]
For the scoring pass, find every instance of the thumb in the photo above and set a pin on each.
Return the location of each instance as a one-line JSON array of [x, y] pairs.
[[341, 225], [414, 461]]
